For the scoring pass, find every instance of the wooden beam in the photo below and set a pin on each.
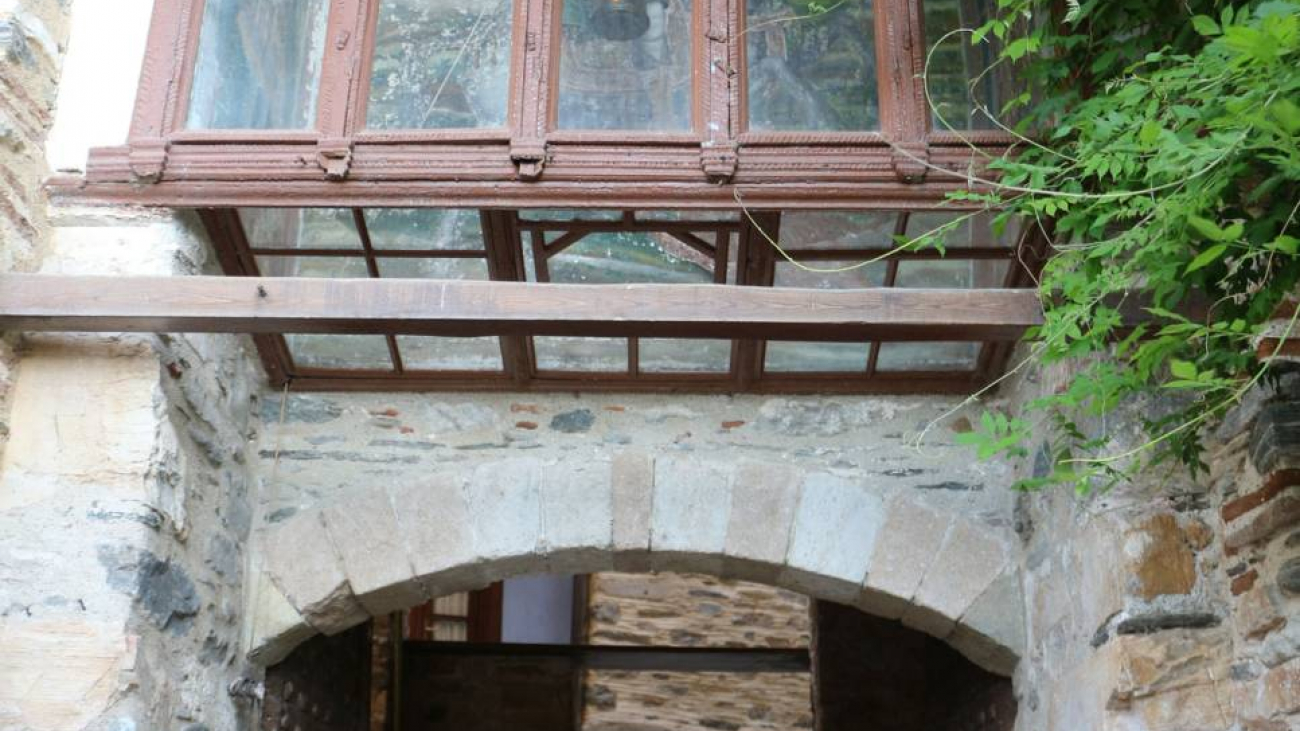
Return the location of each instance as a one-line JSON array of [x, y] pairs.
[[640, 659], [466, 309]]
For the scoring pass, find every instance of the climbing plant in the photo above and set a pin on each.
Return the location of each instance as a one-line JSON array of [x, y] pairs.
[[1159, 146]]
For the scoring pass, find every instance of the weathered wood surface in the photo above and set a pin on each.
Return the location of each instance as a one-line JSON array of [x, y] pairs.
[[460, 308]]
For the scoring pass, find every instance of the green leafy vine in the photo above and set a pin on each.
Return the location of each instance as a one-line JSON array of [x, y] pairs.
[[1160, 151]]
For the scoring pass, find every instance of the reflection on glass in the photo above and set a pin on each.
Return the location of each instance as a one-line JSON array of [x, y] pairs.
[[425, 228], [656, 355], [959, 77], [787, 357], [463, 269], [603, 355], [455, 354], [625, 257], [258, 64], [951, 274], [441, 64], [450, 631], [838, 229], [927, 356], [300, 228], [830, 275], [368, 352], [337, 267], [626, 65], [972, 230], [812, 71]]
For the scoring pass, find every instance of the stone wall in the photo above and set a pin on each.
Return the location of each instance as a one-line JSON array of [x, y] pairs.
[[683, 610], [1163, 604]]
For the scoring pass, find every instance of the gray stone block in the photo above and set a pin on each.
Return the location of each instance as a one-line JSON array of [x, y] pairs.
[[505, 517], [364, 532], [632, 481], [692, 502], [971, 558], [909, 542], [763, 502], [991, 633], [433, 522], [836, 526], [577, 518], [301, 561]]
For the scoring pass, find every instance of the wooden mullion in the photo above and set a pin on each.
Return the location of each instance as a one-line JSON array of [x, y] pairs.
[[161, 99], [541, 268], [534, 78], [501, 236], [891, 278], [634, 357], [721, 256], [755, 267], [372, 267], [340, 109], [560, 244]]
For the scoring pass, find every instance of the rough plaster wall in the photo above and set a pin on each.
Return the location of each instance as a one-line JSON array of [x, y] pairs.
[[331, 444], [124, 509], [1155, 606]]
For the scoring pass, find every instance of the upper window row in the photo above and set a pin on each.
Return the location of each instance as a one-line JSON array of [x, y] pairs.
[[636, 65]]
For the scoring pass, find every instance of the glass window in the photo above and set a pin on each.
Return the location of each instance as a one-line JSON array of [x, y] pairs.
[[340, 351], [601, 355], [811, 70], [961, 76], [441, 64], [927, 356], [300, 228], [624, 257], [259, 64], [313, 266], [656, 355], [830, 274], [425, 228], [420, 353], [626, 65], [838, 229], [790, 357], [424, 268]]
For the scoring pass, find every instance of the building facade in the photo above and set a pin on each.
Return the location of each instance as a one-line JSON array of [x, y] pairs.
[[173, 522]]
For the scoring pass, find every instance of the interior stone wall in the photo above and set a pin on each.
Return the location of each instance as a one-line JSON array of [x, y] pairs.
[[686, 610]]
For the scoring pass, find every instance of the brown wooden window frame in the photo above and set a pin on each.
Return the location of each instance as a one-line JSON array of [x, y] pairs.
[[530, 163]]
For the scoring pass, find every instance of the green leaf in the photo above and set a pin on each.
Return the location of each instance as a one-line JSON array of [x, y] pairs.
[[1207, 228], [1150, 133], [1182, 369], [1205, 25], [1287, 114], [1207, 257]]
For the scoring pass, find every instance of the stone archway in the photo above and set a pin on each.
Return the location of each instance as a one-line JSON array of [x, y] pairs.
[[359, 556]]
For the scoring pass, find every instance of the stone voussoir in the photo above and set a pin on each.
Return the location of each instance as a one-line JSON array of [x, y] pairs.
[[364, 532], [763, 503], [908, 544], [577, 518], [836, 526], [632, 483], [433, 522], [971, 558], [301, 561], [505, 516], [688, 523], [991, 633]]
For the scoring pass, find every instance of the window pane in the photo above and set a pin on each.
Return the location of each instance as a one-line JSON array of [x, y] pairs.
[[624, 257], [463, 269], [626, 65], [976, 230], [838, 230], [340, 351], [811, 71], [300, 228], [450, 354], [927, 356], [452, 605], [957, 80], [441, 64], [951, 274], [815, 357], [657, 355], [830, 274], [448, 631], [313, 266], [604, 355], [425, 228], [258, 64]]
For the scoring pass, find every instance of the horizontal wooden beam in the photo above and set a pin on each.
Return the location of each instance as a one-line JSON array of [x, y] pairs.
[[462, 309], [639, 659]]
